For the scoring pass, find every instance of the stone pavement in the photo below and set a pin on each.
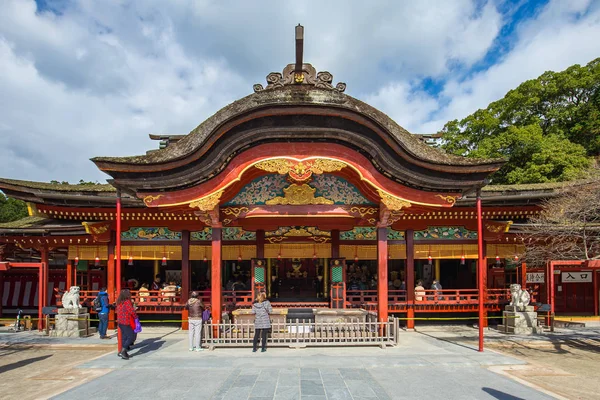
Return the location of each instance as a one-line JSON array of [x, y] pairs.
[[421, 367]]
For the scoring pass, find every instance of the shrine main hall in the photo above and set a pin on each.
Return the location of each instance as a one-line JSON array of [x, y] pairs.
[[297, 189]]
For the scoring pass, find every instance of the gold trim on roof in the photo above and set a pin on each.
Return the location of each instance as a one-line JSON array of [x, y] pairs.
[[448, 199]]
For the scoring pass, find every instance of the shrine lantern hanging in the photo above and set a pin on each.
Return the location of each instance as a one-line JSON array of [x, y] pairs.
[[97, 261], [76, 260], [463, 261], [130, 263], [164, 261]]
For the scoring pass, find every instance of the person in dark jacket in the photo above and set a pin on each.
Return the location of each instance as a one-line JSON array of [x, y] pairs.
[[126, 317], [262, 323], [103, 314], [195, 308]]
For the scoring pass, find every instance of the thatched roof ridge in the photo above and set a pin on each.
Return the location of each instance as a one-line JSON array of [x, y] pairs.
[[58, 187]]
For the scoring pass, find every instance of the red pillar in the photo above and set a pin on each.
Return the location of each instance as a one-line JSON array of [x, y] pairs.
[[481, 270], [551, 279], [335, 243], [110, 280], [260, 245], [186, 275], [594, 277], [382, 273], [118, 260], [69, 274], [43, 288], [118, 243], [523, 276], [215, 275], [410, 278]]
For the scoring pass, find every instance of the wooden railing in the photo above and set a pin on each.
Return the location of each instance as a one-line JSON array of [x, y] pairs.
[[426, 300], [304, 333]]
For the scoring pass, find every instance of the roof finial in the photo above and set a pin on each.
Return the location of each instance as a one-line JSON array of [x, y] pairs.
[[300, 74], [299, 53]]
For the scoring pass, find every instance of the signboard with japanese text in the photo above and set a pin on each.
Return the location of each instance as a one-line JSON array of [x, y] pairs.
[[581, 276], [536, 277]]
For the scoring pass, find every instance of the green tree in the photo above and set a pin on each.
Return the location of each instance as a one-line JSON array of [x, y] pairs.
[[548, 129], [11, 209]]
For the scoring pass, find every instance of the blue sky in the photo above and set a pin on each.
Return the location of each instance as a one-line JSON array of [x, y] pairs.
[[92, 78]]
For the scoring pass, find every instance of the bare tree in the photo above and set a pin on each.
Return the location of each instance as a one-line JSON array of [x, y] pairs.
[[568, 227]]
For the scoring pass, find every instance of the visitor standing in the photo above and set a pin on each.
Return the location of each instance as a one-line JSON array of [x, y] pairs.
[[195, 309], [126, 317], [103, 313], [262, 323]]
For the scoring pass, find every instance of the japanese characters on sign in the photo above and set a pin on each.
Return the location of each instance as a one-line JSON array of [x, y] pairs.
[[581, 276], [536, 277]]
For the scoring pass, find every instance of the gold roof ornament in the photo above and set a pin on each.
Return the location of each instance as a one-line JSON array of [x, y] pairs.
[[300, 171], [392, 202], [298, 195], [207, 203]]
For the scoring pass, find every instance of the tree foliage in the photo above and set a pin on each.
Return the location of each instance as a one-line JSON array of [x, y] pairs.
[[567, 228], [548, 129], [11, 209]]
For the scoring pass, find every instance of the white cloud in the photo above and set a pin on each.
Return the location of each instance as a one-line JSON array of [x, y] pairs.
[[95, 80]]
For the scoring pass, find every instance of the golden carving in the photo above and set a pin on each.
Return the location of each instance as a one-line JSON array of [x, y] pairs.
[[299, 78], [298, 195], [298, 232], [448, 199], [279, 165], [275, 239], [300, 170], [498, 227], [320, 239], [95, 229], [235, 211], [362, 211], [149, 199], [392, 202], [207, 203], [321, 165]]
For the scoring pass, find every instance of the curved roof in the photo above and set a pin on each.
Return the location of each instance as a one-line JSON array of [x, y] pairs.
[[288, 112]]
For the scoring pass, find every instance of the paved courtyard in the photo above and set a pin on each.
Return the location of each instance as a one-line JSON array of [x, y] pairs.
[[421, 367]]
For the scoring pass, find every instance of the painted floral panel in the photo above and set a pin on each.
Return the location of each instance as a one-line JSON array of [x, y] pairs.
[[205, 234], [135, 233], [337, 189], [445, 233], [359, 233], [237, 233], [395, 235], [260, 190]]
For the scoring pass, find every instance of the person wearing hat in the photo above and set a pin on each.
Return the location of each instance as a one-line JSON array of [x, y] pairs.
[[195, 308]]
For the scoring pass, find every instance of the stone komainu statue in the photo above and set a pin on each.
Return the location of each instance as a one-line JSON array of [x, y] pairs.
[[519, 297], [71, 298]]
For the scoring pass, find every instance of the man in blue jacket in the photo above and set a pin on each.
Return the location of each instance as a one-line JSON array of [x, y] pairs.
[[103, 313]]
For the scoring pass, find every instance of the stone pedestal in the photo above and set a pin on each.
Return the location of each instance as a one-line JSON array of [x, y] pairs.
[[72, 322], [341, 315], [244, 316], [520, 320]]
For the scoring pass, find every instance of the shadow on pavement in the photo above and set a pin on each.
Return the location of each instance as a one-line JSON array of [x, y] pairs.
[[22, 363], [148, 345], [500, 395]]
